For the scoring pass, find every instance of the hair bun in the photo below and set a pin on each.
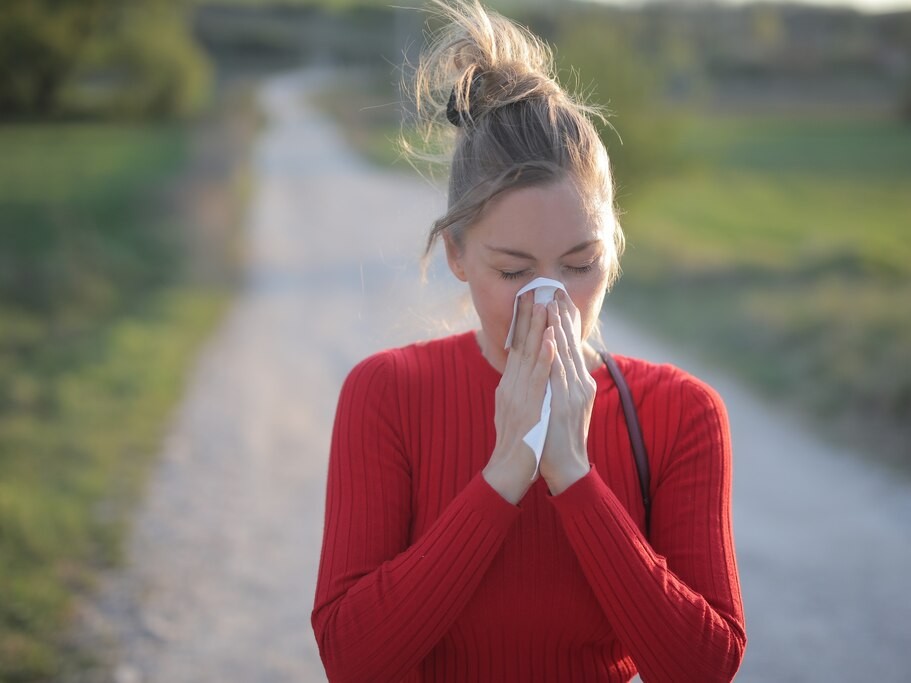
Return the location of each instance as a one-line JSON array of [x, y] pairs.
[[458, 116], [477, 62], [495, 82]]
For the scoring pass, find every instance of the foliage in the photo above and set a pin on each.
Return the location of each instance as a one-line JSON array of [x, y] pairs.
[[41, 44], [99, 57], [598, 50], [151, 64]]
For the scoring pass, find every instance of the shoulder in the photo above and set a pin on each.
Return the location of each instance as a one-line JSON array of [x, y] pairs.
[[404, 364], [673, 405], [683, 418], [666, 383]]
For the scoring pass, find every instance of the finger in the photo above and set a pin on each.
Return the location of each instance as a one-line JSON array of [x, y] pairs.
[[542, 369], [574, 316], [558, 379], [521, 361], [531, 344], [511, 371], [523, 319], [567, 319], [520, 331], [563, 352]]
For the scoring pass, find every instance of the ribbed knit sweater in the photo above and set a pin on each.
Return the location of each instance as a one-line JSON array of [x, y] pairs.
[[428, 574]]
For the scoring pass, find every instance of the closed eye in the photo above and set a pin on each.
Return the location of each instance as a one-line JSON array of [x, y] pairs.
[[581, 269]]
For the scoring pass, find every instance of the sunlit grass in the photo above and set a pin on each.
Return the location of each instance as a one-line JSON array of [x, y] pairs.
[[832, 146], [82, 162], [80, 232], [787, 222], [96, 333], [793, 268], [73, 451]]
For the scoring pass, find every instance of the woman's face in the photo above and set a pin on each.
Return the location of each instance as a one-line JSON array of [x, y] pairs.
[[540, 231]]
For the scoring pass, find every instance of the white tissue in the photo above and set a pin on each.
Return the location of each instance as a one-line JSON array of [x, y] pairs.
[[545, 289]]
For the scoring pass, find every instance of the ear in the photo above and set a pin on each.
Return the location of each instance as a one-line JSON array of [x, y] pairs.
[[454, 257]]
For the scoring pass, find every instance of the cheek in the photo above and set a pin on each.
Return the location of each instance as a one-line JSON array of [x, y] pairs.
[[588, 299], [494, 302]]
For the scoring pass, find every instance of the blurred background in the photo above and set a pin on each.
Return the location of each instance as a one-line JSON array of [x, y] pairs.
[[763, 159]]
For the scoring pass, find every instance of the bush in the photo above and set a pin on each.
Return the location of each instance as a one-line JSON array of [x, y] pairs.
[[149, 67], [41, 45], [641, 135], [99, 58]]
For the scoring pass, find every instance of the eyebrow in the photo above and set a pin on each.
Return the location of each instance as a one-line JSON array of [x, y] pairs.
[[529, 257]]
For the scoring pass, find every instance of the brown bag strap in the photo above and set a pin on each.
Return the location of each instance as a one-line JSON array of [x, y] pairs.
[[635, 434]]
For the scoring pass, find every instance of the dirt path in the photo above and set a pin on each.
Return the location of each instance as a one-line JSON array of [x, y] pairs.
[[224, 555]]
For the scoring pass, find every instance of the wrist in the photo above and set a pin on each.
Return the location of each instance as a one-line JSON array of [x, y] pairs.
[[566, 476], [509, 481]]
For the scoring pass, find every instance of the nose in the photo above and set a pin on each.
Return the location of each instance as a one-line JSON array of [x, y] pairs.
[[544, 288], [551, 274]]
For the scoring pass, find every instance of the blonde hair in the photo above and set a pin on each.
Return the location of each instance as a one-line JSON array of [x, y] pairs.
[[517, 126]]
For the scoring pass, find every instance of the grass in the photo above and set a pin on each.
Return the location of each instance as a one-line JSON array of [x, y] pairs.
[[98, 325], [83, 163], [78, 239], [782, 251], [73, 456], [776, 246]]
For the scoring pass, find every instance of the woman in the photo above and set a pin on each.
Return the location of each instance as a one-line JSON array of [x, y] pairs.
[[449, 554]]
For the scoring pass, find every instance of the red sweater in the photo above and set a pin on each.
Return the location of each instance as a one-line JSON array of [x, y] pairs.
[[428, 574]]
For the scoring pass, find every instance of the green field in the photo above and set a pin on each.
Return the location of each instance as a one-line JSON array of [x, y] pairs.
[[97, 328], [782, 251]]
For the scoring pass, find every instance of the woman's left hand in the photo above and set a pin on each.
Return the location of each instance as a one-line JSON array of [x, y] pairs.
[[565, 457]]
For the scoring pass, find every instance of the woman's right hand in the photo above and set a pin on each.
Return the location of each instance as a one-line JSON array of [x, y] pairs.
[[518, 400]]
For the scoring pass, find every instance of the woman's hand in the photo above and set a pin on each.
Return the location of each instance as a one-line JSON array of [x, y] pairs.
[[518, 400], [565, 457]]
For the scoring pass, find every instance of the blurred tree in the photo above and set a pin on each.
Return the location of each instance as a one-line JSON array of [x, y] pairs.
[[60, 57], [598, 49], [148, 63], [41, 44]]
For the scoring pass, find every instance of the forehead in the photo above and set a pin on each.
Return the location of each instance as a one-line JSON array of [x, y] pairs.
[[537, 218]]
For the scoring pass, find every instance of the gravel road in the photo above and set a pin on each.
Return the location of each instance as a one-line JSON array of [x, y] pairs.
[[224, 553]]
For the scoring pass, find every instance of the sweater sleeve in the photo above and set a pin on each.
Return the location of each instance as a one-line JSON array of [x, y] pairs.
[[382, 603], [674, 603]]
